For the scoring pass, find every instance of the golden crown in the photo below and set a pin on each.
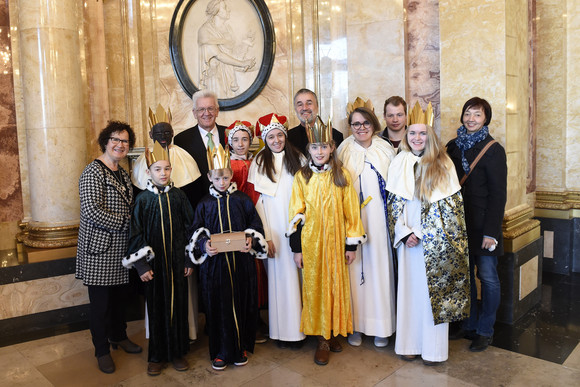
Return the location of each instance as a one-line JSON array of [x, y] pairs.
[[319, 132], [418, 116], [159, 153], [359, 102], [160, 115], [218, 158]]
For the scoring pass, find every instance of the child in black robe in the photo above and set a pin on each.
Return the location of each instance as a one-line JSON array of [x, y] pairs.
[[228, 279]]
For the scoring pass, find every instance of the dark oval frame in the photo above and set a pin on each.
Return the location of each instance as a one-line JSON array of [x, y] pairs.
[[269, 51]]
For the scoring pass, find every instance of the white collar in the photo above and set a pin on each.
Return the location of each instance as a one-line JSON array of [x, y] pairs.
[[314, 168], [153, 188], [217, 194]]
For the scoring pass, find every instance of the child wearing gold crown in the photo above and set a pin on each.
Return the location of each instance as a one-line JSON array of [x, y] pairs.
[[227, 278], [325, 230], [272, 173], [157, 250], [239, 136], [427, 227]]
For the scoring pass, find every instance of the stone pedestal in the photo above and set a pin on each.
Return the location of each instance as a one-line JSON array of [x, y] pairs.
[[520, 275]]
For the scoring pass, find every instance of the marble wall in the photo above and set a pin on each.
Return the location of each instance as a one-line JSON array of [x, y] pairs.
[[551, 83], [573, 95], [423, 56], [11, 205], [41, 295], [376, 51]]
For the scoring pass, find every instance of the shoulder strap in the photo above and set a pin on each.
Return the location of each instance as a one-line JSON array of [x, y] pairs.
[[474, 163]]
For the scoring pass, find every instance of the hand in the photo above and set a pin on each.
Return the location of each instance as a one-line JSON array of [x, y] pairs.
[[147, 276], [350, 256], [271, 249], [211, 251], [248, 245], [412, 241], [487, 243], [188, 271], [298, 260]]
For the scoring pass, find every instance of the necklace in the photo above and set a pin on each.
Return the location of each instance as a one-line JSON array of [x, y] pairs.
[[118, 177]]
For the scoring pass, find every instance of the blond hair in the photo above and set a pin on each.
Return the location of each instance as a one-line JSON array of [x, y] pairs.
[[432, 171]]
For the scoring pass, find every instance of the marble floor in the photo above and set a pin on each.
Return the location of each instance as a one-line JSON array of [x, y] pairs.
[[67, 360], [541, 349]]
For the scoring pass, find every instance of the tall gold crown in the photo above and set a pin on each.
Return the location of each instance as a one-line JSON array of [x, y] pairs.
[[418, 116], [359, 102], [160, 115], [159, 153], [319, 132], [218, 158]]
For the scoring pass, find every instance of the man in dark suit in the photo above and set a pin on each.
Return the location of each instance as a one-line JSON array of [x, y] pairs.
[[306, 107], [197, 139]]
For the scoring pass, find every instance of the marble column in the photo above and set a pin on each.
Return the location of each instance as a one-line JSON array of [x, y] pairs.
[[53, 101], [484, 53]]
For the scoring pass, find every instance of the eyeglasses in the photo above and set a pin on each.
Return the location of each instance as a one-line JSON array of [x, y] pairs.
[[116, 141], [210, 110], [358, 125]]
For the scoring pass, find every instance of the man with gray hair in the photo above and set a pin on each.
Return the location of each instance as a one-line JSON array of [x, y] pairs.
[[306, 107], [196, 140]]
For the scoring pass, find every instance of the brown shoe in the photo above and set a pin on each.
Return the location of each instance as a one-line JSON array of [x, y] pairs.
[[154, 369], [334, 344], [180, 364], [322, 352], [106, 363]]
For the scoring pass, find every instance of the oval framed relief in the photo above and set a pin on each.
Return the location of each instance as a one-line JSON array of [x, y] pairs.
[[226, 46]]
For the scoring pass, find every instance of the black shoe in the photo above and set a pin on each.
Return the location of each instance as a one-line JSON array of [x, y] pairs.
[[432, 363], [480, 343], [296, 344], [462, 334], [218, 364], [283, 344], [127, 345], [106, 364]]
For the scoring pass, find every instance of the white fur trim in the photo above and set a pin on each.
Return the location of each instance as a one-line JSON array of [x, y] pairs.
[[261, 240], [353, 241], [191, 245], [217, 194], [293, 225], [271, 126], [144, 252]]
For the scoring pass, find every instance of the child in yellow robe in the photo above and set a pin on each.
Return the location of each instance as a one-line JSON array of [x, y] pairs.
[[325, 230]]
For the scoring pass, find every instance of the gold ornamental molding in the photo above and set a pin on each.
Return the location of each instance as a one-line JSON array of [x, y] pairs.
[[48, 237], [519, 229], [558, 205]]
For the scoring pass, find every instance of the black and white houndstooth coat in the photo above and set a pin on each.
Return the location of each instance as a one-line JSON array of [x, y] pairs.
[[104, 226]]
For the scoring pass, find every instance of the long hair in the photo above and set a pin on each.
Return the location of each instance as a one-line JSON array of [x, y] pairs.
[[431, 172], [338, 177], [265, 160]]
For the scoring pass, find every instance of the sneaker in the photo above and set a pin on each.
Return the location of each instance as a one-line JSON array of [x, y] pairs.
[[480, 343], [218, 364], [381, 342], [243, 360], [355, 339]]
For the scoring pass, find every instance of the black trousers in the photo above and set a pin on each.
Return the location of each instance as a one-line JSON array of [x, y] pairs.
[[107, 319]]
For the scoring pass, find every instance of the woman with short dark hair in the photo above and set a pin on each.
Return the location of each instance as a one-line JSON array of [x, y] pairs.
[[484, 188], [106, 197]]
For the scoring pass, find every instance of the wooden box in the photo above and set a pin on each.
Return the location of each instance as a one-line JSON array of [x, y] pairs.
[[233, 241]]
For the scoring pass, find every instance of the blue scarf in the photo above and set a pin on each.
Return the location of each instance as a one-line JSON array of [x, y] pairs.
[[466, 141]]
